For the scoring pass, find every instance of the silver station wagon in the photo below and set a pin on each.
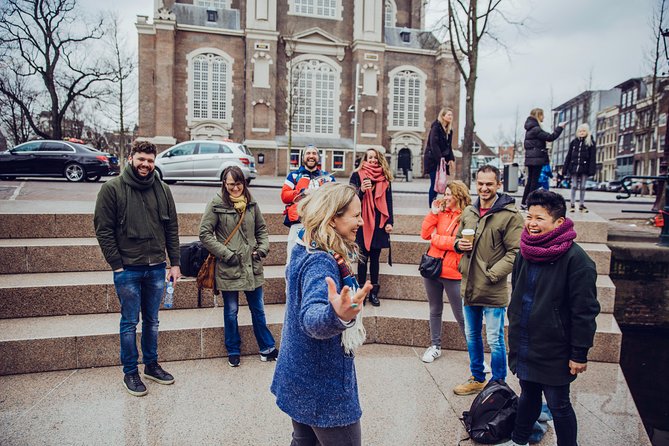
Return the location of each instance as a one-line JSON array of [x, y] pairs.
[[204, 161]]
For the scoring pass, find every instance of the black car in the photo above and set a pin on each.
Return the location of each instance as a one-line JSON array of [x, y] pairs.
[[75, 162]]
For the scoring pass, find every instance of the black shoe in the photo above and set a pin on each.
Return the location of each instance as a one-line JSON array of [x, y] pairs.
[[374, 296], [233, 360], [571, 208], [156, 373], [269, 357], [583, 209], [134, 385]]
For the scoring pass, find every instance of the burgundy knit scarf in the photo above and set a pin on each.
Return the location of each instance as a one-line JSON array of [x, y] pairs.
[[548, 247]]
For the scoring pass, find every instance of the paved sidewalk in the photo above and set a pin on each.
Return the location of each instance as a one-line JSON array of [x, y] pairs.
[[405, 402]]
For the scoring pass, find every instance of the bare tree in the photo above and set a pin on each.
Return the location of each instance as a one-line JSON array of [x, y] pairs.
[[44, 42], [467, 23], [122, 64], [14, 119], [292, 93]]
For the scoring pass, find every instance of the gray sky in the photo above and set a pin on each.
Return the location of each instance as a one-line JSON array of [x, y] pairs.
[[566, 43]]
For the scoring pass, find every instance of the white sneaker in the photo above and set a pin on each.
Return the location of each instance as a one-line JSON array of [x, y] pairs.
[[432, 353], [512, 443], [486, 368]]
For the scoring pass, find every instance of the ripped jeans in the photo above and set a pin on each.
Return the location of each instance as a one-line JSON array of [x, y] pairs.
[[139, 289]]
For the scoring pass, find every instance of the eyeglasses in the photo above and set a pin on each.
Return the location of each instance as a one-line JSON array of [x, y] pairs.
[[234, 185]]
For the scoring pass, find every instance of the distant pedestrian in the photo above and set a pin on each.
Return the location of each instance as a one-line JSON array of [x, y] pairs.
[[135, 223], [315, 381], [545, 177], [373, 181], [536, 154], [439, 145], [551, 317], [440, 227], [580, 163], [233, 230]]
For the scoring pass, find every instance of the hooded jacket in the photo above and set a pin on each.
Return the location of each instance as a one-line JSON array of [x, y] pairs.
[[442, 241], [439, 145], [535, 142], [581, 159], [496, 242], [217, 223]]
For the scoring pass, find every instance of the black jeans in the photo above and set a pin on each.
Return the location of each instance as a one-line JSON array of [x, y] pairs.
[[529, 409], [532, 184], [305, 435], [431, 194], [372, 259]]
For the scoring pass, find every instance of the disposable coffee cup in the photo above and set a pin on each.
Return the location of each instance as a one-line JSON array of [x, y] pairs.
[[468, 234]]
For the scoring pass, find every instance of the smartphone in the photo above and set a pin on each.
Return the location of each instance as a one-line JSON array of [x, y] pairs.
[[560, 117]]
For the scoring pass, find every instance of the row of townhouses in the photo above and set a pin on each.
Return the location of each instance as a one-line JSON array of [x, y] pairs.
[[628, 122], [277, 75]]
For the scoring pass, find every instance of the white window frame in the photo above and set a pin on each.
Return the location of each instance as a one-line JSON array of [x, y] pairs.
[[420, 118], [318, 61], [390, 14], [329, 9], [212, 54], [335, 154], [215, 4]]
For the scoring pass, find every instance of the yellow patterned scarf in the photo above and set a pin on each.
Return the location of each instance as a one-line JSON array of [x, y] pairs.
[[239, 203]]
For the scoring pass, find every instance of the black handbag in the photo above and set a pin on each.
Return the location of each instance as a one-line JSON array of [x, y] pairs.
[[430, 267]]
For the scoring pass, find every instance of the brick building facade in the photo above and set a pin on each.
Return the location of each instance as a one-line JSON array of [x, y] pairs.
[[252, 71]]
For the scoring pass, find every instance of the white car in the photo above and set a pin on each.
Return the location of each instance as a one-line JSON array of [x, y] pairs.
[[204, 161]]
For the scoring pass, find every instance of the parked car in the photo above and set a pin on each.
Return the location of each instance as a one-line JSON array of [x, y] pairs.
[[53, 158], [204, 161], [591, 185]]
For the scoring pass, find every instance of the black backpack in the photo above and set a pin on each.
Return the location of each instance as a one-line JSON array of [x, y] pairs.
[[193, 256], [491, 418]]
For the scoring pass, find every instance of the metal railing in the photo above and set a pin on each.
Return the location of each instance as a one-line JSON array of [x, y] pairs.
[[627, 180]]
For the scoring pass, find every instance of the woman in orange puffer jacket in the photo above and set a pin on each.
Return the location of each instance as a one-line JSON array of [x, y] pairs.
[[440, 226]]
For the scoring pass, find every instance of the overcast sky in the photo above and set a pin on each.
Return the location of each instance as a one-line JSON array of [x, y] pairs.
[[566, 46]]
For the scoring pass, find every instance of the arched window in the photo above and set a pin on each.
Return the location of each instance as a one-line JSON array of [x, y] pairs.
[[406, 99], [389, 14], [211, 94], [315, 97]]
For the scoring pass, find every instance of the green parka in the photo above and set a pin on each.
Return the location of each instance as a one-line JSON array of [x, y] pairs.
[[217, 223], [496, 242]]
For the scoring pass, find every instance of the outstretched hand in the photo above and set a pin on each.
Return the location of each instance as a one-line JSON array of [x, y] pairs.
[[346, 306], [577, 367]]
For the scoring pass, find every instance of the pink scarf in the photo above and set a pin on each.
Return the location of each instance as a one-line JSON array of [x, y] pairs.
[[373, 199], [548, 247]]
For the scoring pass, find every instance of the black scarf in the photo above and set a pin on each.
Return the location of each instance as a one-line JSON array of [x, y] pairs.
[[137, 221]]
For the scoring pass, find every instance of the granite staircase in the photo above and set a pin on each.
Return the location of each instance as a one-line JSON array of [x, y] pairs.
[[59, 310]]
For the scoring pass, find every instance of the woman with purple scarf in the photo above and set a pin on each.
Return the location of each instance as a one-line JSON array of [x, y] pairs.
[[551, 316]]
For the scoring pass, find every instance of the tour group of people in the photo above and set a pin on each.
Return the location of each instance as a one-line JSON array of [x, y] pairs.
[[337, 234]]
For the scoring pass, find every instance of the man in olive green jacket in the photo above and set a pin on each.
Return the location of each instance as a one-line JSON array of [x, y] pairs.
[[135, 222], [485, 265]]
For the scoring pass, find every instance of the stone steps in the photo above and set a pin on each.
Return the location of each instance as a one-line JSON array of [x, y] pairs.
[[46, 255], [56, 294], [80, 341]]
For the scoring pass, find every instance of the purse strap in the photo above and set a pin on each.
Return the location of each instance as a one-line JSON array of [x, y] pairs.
[[241, 219]]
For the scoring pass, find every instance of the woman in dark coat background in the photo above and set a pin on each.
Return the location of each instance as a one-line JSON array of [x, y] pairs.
[[536, 155], [372, 180], [551, 316], [580, 163], [439, 145]]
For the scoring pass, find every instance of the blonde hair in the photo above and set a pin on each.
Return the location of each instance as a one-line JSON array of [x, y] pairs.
[[460, 193], [588, 136], [536, 112], [443, 112], [318, 209], [383, 162]]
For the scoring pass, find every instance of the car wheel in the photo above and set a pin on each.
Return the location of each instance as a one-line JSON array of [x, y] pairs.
[[93, 178], [75, 172], [6, 178], [160, 175]]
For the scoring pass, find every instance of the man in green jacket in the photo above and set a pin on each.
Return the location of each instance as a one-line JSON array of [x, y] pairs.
[[486, 263], [135, 222]]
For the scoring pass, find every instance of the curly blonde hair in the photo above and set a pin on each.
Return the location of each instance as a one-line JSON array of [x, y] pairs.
[[460, 193], [317, 212], [383, 162]]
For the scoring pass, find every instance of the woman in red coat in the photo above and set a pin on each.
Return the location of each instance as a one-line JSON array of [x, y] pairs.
[[440, 226]]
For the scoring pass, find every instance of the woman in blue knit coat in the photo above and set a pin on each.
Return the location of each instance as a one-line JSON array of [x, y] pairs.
[[315, 381]]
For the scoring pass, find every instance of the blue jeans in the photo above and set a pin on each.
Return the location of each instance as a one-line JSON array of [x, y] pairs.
[[529, 409], [431, 194], [139, 289], [494, 324], [231, 308]]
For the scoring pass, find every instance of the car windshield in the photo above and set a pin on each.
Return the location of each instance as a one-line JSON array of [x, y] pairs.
[[87, 148], [244, 149]]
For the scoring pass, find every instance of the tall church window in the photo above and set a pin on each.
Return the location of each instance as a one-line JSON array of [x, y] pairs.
[[406, 99], [389, 14], [319, 8], [315, 86], [211, 95]]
